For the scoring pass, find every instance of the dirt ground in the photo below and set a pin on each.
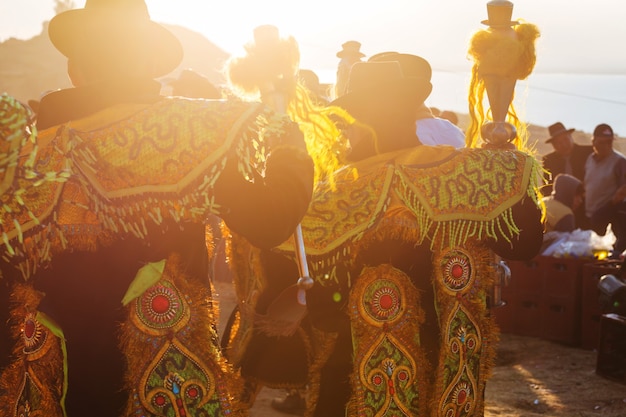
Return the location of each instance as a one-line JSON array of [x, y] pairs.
[[532, 378]]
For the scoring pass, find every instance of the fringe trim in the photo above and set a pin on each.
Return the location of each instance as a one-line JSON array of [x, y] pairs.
[[48, 224], [41, 370], [328, 245]]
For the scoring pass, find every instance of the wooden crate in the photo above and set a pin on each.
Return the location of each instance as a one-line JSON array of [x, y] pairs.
[[526, 276], [528, 314], [543, 299], [560, 317], [562, 288], [562, 277]]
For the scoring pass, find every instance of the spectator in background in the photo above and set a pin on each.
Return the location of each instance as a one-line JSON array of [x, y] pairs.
[[349, 55], [451, 116], [568, 157], [567, 195], [431, 130], [311, 81], [605, 187], [194, 85]]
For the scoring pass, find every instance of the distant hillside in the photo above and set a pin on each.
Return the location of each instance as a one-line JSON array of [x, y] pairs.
[[31, 67]]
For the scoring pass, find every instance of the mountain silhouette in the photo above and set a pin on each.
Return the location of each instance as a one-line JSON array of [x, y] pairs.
[[30, 68]]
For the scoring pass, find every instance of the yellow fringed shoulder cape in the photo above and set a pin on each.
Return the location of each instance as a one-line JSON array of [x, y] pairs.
[[450, 196], [122, 169]]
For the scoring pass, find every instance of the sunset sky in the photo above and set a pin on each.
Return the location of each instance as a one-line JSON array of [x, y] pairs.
[[581, 36]]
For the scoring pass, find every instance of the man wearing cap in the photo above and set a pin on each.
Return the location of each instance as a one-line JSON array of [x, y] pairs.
[[104, 221], [605, 187]]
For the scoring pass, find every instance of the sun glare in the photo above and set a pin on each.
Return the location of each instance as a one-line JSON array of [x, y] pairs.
[[319, 27], [230, 24]]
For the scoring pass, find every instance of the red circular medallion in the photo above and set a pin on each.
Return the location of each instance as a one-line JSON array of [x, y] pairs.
[[160, 304], [192, 392], [159, 400], [386, 302], [29, 328], [461, 397], [457, 271]]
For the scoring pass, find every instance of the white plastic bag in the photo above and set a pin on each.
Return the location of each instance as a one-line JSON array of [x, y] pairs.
[[578, 243]]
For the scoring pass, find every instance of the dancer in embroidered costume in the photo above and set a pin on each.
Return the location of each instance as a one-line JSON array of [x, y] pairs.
[[402, 245], [103, 225]]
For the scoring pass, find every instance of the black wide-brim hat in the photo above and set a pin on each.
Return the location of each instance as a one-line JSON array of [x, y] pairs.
[[411, 65], [557, 129], [108, 26], [373, 84]]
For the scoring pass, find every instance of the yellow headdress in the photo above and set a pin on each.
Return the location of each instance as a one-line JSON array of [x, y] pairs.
[[503, 53], [271, 64]]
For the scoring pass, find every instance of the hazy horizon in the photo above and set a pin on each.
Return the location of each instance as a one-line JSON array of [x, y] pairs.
[[578, 38]]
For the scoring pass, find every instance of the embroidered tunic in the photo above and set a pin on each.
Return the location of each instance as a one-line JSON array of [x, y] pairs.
[[103, 227], [401, 250]]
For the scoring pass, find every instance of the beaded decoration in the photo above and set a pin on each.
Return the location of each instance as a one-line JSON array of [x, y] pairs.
[[94, 181], [175, 367], [451, 196], [447, 199], [390, 371]]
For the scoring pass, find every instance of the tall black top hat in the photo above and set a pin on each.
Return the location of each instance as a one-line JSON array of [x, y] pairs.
[[350, 48]]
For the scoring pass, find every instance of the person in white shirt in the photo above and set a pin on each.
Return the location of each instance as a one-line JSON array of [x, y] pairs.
[[433, 130]]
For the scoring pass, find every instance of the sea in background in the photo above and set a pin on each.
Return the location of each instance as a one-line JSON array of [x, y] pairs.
[[579, 101]]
